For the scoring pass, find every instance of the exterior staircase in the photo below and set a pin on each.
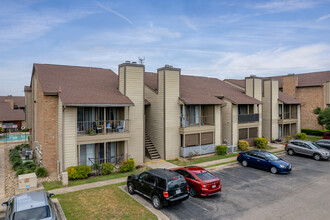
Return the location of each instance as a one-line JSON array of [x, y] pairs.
[[150, 148]]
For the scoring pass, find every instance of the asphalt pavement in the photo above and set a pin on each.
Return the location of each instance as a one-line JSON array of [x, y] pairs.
[[249, 193]]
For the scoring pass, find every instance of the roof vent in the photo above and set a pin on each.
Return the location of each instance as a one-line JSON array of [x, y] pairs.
[[133, 62], [167, 66], [291, 74], [252, 75], [127, 61]]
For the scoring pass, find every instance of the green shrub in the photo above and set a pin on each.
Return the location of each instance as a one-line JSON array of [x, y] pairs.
[[78, 172], [91, 131], [243, 145], [221, 149], [41, 172], [29, 165], [96, 166], [300, 136], [19, 147], [14, 154], [314, 132], [107, 168], [261, 143], [288, 138], [127, 166]]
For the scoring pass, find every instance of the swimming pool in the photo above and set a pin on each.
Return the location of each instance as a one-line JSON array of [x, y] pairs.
[[14, 137]]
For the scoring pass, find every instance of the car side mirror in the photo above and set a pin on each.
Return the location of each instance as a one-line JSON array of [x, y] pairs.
[[4, 204], [51, 195]]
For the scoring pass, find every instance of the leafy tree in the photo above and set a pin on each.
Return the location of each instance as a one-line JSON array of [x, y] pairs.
[[323, 117]]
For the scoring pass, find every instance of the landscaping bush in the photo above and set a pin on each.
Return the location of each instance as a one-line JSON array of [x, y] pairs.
[[221, 149], [21, 146], [13, 153], [107, 168], [288, 138], [41, 172], [261, 143], [314, 132], [300, 136], [78, 172], [243, 145], [30, 165], [127, 166]]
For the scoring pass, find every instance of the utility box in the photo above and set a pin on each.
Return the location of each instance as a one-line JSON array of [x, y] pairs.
[[27, 181]]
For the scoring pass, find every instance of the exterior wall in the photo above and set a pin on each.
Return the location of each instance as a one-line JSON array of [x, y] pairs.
[[69, 137], [299, 119], [28, 110], [226, 115], [235, 124], [253, 87], [289, 84], [60, 135], [328, 93], [217, 124], [172, 112], [134, 89]]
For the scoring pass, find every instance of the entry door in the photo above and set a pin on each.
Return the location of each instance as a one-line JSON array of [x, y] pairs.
[[90, 153], [113, 152]]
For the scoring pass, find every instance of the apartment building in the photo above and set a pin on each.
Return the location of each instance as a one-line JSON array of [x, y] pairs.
[[311, 89], [12, 116]]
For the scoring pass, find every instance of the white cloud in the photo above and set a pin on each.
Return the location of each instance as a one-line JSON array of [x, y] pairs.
[[285, 5], [324, 17], [188, 22]]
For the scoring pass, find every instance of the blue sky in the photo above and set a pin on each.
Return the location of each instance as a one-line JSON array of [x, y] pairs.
[[223, 39]]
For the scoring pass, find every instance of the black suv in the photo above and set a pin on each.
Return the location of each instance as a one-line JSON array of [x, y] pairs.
[[162, 186]]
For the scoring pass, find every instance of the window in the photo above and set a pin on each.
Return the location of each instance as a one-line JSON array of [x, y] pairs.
[[192, 140], [150, 179], [261, 156], [207, 138], [243, 133], [176, 183], [205, 176], [162, 183], [185, 174], [253, 132], [192, 114], [36, 213], [143, 176]]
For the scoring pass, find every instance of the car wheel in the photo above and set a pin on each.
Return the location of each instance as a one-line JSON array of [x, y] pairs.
[[273, 170], [244, 163], [156, 202], [192, 191], [290, 152], [130, 188], [317, 157]]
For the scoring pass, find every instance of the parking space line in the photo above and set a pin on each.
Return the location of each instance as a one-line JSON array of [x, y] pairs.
[[198, 205]]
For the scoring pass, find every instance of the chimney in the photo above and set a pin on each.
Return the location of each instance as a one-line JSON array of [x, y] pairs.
[[253, 87], [289, 84]]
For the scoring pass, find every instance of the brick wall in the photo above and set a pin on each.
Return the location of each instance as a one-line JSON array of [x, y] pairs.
[[289, 84]]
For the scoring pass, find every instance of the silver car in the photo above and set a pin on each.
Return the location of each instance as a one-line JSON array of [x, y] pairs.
[[307, 148], [31, 205]]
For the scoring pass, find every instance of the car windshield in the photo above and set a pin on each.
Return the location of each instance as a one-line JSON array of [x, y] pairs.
[[314, 146], [33, 214], [205, 176], [176, 182], [272, 157]]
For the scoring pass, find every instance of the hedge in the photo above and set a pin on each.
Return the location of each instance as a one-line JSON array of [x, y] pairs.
[[127, 166], [261, 143], [107, 168], [78, 172], [300, 136], [314, 132], [243, 145], [41, 172], [221, 149]]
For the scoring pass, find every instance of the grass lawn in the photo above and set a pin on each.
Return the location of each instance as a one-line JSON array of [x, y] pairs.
[[218, 164], [58, 184], [211, 158], [313, 138], [108, 202]]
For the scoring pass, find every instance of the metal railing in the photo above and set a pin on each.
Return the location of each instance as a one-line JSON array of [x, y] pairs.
[[111, 159], [288, 115], [102, 127], [248, 118], [203, 120]]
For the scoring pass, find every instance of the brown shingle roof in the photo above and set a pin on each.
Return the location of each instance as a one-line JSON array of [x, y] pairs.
[[18, 100], [204, 90], [81, 85], [8, 114], [287, 99]]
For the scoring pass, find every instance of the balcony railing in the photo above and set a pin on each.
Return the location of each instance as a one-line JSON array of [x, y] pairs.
[[288, 115], [204, 120], [248, 118], [102, 127]]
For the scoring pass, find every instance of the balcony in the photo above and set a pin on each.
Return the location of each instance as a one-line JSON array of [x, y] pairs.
[[288, 115], [248, 118], [201, 121], [102, 127]]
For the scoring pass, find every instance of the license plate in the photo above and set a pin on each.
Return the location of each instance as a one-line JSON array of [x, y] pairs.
[[214, 186], [178, 191]]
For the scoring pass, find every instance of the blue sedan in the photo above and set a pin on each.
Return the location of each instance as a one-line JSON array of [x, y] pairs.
[[264, 160]]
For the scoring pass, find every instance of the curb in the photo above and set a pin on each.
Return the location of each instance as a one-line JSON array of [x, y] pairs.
[[160, 215], [58, 209]]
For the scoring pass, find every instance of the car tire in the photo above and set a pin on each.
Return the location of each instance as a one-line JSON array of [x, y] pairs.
[[130, 188], [317, 157], [290, 152], [273, 170], [244, 163], [156, 202], [192, 191]]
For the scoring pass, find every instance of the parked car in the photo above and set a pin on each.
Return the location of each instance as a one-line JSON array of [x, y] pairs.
[[306, 148], [326, 135], [201, 182], [30, 205], [162, 186], [264, 160], [324, 143]]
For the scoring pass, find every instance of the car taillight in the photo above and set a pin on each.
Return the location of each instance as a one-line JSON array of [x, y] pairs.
[[187, 187], [286, 145], [203, 185], [165, 194], [239, 155]]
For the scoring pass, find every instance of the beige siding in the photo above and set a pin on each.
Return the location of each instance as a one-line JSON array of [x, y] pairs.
[[258, 89], [249, 87], [218, 129], [270, 110], [274, 119], [328, 93], [121, 78], [172, 111], [70, 136], [227, 122], [235, 124], [59, 135], [135, 91]]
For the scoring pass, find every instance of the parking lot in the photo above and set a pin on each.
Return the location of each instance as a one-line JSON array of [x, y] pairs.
[[250, 193]]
